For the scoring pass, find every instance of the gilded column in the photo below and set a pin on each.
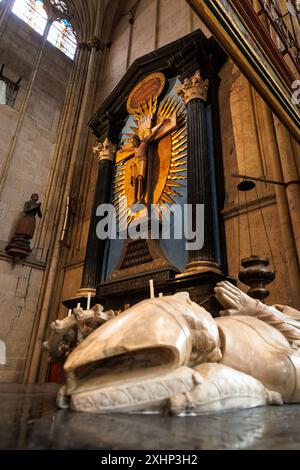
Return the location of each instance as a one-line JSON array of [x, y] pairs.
[[105, 152], [194, 92]]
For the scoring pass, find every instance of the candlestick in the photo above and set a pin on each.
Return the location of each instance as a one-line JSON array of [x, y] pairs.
[[89, 301], [152, 294]]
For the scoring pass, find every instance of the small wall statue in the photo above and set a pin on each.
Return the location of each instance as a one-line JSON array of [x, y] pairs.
[[19, 247], [168, 355]]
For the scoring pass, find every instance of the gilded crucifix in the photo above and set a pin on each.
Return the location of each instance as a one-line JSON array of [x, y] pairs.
[[151, 160]]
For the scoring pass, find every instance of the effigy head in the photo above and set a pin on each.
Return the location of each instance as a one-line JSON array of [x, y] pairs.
[[155, 335], [205, 334]]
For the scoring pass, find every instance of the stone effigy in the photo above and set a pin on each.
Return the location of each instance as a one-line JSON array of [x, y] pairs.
[[168, 355]]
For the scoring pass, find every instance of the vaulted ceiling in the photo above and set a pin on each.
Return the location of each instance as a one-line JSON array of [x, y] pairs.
[[94, 17]]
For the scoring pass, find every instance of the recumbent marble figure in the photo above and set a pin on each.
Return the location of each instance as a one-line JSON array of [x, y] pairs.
[[168, 355]]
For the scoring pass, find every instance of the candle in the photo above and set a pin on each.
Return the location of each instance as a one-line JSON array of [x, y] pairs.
[[161, 294], [78, 305], [69, 312], [152, 294], [89, 301]]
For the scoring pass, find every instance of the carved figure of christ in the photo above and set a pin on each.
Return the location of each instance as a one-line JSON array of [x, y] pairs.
[[139, 152]]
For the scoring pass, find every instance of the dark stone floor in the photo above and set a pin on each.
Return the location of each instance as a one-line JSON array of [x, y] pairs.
[[29, 420]]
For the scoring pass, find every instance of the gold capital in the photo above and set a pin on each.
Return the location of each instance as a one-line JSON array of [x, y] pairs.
[[105, 151], [193, 88]]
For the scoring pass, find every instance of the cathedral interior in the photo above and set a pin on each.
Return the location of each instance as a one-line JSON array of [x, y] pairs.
[[187, 107]]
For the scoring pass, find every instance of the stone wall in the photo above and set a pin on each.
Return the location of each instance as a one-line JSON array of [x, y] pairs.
[[28, 138], [252, 220], [154, 24]]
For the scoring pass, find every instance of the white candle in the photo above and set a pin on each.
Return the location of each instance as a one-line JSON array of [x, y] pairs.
[[89, 298], [69, 312], [78, 305], [152, 294], [161, 294]]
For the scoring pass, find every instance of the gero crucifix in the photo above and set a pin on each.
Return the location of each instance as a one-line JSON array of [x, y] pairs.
[[146, 135], [152, 157]]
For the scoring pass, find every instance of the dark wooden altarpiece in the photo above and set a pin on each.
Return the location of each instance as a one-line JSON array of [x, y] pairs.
[[205, 182]]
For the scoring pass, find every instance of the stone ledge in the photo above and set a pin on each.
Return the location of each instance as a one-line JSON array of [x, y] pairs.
[[31, 261]]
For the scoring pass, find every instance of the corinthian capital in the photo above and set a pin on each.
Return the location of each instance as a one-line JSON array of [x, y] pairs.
[[105, 151], [193, 88]]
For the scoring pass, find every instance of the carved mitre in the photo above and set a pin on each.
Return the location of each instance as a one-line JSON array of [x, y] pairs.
[[193, 88], [105, 151]]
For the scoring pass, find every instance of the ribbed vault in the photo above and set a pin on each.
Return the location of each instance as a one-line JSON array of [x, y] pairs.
[[93, 17]]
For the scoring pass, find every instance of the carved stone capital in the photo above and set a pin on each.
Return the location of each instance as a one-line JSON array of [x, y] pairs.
[[95, 43], [92, 43], [193, 88], [105, 151]]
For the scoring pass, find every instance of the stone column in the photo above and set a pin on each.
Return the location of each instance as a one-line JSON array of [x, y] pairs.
[[290, 177], [271, 151], [5, 9], [92, 270], [194, 92]]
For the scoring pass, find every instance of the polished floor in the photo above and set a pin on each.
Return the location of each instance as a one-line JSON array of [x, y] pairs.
[[29, 420]]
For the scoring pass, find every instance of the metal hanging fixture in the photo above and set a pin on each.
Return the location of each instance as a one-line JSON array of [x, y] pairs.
[[256, 273]]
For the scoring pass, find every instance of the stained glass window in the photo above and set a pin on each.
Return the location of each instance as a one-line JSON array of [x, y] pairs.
[[32, 12], [62, 36]]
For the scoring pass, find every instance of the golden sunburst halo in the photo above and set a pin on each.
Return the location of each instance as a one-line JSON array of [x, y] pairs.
[[179, 149], [178, 158]]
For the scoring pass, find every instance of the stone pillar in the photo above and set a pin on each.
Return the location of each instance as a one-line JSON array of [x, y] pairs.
[[290, 177], [5, 9], [194, 92], [271, 151], [92, 269]]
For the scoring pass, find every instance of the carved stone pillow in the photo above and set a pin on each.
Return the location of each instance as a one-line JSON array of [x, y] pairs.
[[136, 392], [223, 389]]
